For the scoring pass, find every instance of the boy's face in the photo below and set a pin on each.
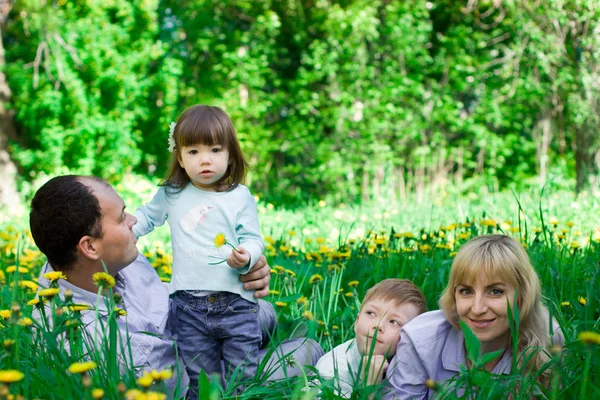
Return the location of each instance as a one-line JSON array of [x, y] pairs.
[[386, 318]]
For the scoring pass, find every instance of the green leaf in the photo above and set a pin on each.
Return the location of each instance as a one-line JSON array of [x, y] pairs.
[[471, 343]]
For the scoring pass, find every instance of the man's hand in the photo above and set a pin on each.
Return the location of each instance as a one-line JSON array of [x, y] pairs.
[[377, 365], [258, 278], [238, 258]]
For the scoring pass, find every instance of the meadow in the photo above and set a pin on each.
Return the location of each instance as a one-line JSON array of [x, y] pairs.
[[323, 258]]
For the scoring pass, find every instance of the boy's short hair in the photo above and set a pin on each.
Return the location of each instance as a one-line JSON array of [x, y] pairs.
[[400, 291]]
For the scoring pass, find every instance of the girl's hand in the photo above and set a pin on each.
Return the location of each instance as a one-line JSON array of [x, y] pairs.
[[238, 258]]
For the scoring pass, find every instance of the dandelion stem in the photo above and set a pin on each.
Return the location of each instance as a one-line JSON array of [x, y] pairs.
[[586, 370]]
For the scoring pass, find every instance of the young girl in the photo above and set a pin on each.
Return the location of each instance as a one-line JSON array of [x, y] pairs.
[[485, 274], [206, 206]]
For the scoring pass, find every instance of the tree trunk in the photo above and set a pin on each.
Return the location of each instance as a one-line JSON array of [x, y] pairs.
[[9, 197], [543, 143], [583, 160]]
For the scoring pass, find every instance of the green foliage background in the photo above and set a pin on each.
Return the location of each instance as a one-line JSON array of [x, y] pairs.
[[331, 99]]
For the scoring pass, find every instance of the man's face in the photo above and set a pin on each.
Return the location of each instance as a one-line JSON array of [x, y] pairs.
[[118, 244], [386, 318]]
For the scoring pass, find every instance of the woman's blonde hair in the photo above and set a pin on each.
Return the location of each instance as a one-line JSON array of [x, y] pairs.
[[499, 257]]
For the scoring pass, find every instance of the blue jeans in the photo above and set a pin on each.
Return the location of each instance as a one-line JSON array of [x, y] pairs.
[[221, 326]]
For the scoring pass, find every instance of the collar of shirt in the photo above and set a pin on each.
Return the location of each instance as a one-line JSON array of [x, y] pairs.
[[453, 354], [81, 296]]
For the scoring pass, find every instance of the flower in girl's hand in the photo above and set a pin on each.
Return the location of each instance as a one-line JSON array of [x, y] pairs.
[[219, 241]]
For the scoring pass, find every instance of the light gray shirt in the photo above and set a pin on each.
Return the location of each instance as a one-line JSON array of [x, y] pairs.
[[429, 348], [146, 300]]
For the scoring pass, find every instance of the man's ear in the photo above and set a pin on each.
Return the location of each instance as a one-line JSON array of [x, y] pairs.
[[89, 247]]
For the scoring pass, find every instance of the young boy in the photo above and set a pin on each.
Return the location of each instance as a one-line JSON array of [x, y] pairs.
[[387, 307]]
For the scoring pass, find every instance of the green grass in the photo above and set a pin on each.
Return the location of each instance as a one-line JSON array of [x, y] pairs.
[[323, 260]]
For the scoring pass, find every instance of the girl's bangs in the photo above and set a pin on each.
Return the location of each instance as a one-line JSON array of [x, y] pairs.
[[203, 129]]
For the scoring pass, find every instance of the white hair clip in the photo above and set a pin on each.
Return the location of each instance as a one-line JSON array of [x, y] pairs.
[[171, 138]]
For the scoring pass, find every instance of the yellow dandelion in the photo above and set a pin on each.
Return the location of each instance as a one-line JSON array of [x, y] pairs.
[[120, 312], [97, 393], [353, 283], [273, 292], [11, 376], [165, 279], [220, 240], [281, 304], [292, 233], [316, 278], [565, 304], [335, 327], [308, 315], [575, 245], [553, 221], [25, 321], [349, 294], [104, 280], [49, 293], [133, 394], [488, 222], [32, 286], [570, 224], [279, 269], [54, 276], [273, 270], [430, 383], [5, 314], [79, 307], [582, 301], [290, 272], [589, 337], [380, 241], [163, 375], [145, 381], [14, 268], [302, 300], [34, 302], [82, 367]]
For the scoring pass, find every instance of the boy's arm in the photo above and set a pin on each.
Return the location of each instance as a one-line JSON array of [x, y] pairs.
[[151, 214], [248, 231]]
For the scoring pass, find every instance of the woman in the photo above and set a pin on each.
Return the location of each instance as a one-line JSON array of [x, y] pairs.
[[484, 277]]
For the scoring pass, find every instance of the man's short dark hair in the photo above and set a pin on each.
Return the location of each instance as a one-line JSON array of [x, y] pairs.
[[63, 211]]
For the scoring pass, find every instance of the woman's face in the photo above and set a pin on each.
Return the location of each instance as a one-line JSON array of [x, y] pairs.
[[482, 306]]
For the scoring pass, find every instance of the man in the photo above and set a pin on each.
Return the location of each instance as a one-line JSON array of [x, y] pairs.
[[79, 223]]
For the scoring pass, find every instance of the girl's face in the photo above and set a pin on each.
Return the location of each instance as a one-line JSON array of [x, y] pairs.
[[482, 306], [204, 164]]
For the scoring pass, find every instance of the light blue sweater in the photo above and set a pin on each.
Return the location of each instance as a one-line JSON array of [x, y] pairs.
[[195, 217]]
